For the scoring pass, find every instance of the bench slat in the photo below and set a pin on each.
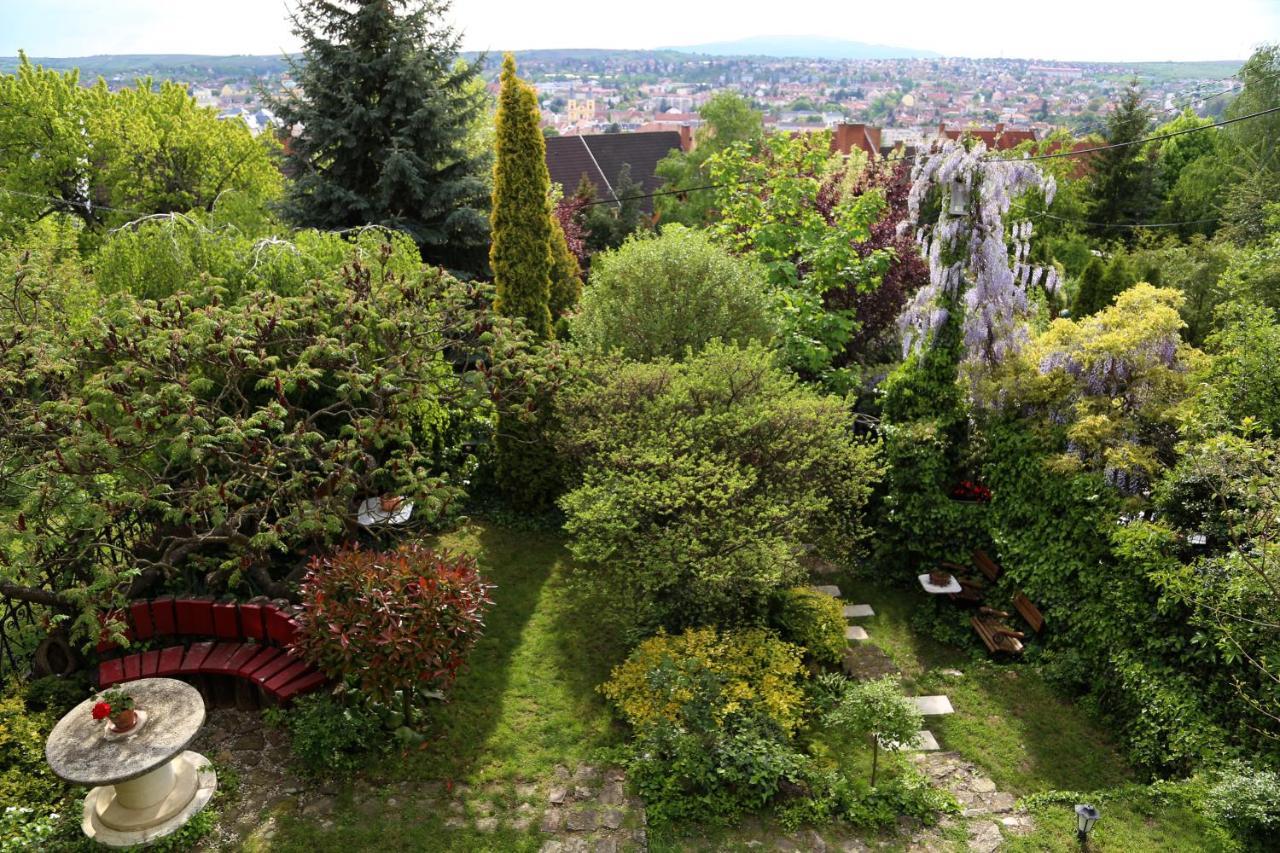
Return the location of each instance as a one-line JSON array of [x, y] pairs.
[[226, 626], [110, 672], [140, 615], [195, 656], [300, 685], [195, 616], [171, 660], [163, 620]]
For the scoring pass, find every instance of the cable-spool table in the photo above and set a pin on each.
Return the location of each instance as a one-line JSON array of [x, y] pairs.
[[147, 783]]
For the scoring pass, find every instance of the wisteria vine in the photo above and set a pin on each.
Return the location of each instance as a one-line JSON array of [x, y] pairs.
[[970, 263]]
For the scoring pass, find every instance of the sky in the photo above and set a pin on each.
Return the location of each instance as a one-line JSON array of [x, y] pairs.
[[1083, 30]]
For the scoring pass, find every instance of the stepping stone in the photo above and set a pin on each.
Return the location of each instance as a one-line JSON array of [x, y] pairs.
[[858, 611], [932, 705], [829, 589], [924, 741], [855, 632]]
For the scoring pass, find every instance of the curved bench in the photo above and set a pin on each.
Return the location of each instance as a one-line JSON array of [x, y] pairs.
[[249, 641]]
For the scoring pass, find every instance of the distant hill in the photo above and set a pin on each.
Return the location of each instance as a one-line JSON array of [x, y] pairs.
[[804, 47], [162, 66]]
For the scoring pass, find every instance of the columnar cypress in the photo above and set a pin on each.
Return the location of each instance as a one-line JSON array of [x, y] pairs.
[[520, 254], [566, 275]]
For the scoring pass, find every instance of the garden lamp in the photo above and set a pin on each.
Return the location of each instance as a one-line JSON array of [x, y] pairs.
[[959, 198], [1086, 817]]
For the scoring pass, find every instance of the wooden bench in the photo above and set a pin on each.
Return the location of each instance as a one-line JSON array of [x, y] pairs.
[[998, 638], [986, 565], [247, 641], [1029, 612]]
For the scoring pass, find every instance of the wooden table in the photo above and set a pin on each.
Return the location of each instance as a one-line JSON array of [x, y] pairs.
[[146, 784]]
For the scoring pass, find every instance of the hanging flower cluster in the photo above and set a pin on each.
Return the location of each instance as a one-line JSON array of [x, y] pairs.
[[967, 253]]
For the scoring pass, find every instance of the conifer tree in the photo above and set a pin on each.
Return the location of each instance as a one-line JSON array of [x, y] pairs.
[[520, 254], [384, 113], [566, 275], [1090, 294], [1123, 182]]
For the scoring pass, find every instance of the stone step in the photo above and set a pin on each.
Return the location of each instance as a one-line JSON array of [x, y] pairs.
[[828, 589], [855, 632], [858, 611], [932, 705], [924, 741]]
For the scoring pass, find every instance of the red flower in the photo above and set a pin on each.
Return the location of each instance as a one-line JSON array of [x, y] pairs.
[[101, 710]]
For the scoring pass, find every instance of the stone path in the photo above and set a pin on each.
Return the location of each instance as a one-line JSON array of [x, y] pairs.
[[932, 706], [855, 632], [588, 811], [858, 611], [987, 813]]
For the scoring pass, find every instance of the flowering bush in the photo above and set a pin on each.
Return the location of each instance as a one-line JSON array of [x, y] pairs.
[[392, 621]]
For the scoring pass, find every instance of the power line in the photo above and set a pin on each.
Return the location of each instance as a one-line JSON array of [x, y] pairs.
[[1157, 137], [88, 206]]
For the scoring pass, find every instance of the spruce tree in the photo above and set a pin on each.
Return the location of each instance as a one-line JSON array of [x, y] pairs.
[[383, 113], [520, 254], [1122, 187]]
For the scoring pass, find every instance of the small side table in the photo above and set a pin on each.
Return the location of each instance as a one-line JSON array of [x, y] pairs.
[[934, 589], [147, 785]]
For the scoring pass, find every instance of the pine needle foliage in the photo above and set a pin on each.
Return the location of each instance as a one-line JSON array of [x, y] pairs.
[[385, 112], [520, 254]]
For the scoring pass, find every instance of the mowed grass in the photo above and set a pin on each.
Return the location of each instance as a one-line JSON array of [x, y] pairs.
[[526, 702]]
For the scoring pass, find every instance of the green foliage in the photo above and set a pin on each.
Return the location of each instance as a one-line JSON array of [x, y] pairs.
[[387, 118], [698, 479], [613, 217], [107, 157], [1091, 294], [1241, 382], [812, 620], [712, 715], [727, 119], [1249, 149], [56, 694], [668, 295], [876, 709], [39, 809], [1122, 181], [521, 252], [161, 257], [1247, 800], [789, 207], [219, 442], [330, 738], [395, 622]]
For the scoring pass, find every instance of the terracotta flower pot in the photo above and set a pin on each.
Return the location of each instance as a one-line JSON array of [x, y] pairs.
[[390, 504], [124, 721], [939, 578]]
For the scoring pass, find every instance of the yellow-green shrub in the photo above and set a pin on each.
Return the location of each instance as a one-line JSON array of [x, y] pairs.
[[748, 671]]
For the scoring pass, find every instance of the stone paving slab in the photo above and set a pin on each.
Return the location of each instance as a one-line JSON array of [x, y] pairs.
[[932, 705], [924, 741], [858, 611], [855, 632], [827, 589]]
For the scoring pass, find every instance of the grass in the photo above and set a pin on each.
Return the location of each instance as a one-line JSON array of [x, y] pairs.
[[526, 702]]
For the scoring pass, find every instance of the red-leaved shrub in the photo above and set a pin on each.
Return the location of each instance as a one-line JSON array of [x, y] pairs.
[[392, 620]]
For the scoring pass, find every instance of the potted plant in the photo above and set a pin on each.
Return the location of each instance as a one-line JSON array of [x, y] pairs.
[[940, 577], [117, 706]]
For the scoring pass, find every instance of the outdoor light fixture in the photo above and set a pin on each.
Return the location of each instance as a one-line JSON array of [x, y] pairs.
[[959, 198], [1086, 817]]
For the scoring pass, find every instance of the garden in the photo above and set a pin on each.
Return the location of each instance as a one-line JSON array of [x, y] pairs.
[[356, 499]]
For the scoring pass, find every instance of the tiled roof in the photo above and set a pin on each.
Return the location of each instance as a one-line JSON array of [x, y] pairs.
[[568, 159]]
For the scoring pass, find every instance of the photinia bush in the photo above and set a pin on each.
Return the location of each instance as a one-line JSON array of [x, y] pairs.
[[392, 621]]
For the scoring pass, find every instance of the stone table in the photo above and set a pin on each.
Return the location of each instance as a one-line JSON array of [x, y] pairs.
[[952, 586], [147, 784]]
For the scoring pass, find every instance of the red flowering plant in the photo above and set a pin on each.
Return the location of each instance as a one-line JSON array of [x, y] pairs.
[[111, 703], [392, 622], [967, 490]]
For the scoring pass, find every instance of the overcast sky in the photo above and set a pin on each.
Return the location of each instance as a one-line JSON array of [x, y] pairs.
[[1079, 30]]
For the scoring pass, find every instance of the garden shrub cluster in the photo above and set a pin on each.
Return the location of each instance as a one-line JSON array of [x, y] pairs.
[[812, 620], [713, 715], [394, 622], [698, 479]]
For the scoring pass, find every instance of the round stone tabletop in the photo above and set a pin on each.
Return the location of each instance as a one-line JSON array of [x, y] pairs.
[[78, 752]]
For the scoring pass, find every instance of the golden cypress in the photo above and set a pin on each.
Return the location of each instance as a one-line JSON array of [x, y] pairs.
[[520, 253]]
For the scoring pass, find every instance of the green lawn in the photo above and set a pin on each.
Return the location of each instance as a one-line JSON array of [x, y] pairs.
[[526, 702]]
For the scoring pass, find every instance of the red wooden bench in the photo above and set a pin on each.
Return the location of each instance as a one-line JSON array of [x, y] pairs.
[[1029, 612], [248, 641], [986, 565]]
